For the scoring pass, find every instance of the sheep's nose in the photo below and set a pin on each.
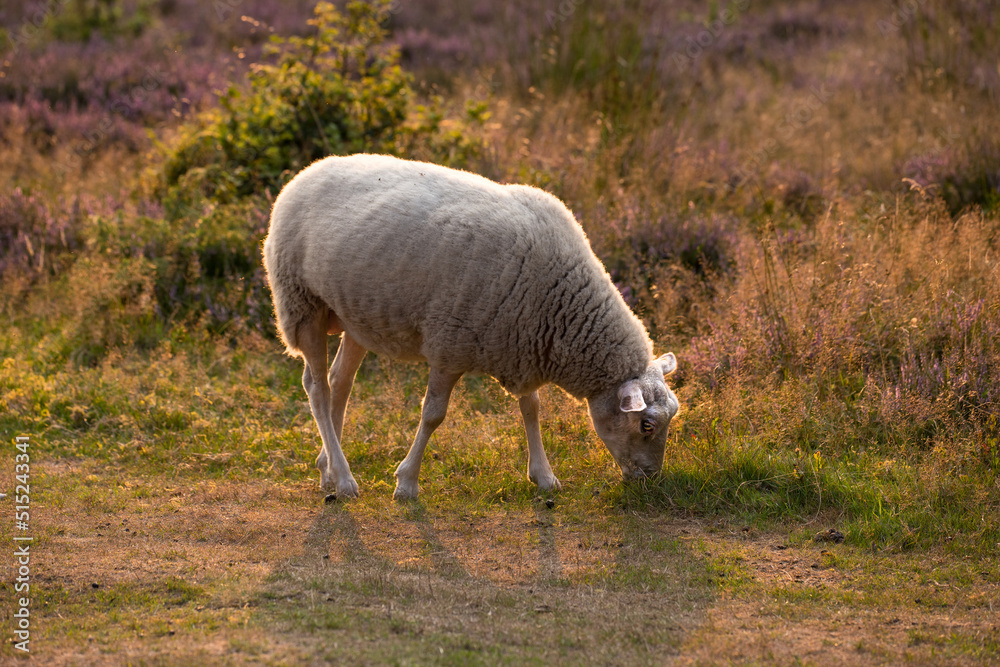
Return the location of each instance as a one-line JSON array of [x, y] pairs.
[[639, 471], [633, 472]]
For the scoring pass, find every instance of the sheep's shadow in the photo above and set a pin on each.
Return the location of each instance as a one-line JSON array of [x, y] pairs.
[[333, 521], [549, 564], [338, 546], [443, 560], [530, 570]]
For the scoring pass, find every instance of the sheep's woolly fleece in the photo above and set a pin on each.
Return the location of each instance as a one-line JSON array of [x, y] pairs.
[[423, 262]]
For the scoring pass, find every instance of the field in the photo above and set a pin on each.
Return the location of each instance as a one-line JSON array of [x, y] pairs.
[[801, 200]]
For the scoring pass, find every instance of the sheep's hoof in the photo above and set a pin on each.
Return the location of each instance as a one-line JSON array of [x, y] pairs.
[[349, 489], [405, 492], [346, 489], [549, 484]]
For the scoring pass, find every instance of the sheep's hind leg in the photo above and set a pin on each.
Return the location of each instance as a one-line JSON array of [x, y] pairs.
[[432, 413], [539, 470], [341, 377], [335, 473]]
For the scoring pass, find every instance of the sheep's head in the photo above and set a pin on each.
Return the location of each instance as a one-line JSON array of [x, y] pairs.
[[632, 419]]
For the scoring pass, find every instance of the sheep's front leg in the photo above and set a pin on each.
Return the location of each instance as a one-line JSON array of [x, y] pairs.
[[335, 473], [539, 470], [432, 413]]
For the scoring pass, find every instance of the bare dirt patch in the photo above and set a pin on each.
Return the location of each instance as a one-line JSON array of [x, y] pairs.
[[213, 570], [826, 604], [498, 588]]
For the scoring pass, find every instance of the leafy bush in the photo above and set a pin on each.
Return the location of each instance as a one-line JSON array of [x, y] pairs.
[[337, 91], [81, 20], [974, 182], [208, 271]]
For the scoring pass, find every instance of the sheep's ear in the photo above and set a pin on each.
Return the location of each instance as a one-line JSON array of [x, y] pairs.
[[630, 397], [667, 363]]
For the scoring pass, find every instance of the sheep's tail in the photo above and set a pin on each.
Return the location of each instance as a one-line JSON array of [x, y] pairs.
[[294, 304]]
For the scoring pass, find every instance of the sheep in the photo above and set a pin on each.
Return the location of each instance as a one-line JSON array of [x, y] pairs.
[[422, 262]]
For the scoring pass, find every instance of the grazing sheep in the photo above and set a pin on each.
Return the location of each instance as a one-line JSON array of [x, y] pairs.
[[418, 261]]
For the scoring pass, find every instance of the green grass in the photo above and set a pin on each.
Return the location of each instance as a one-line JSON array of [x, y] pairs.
[[241, 416], [161, 442]]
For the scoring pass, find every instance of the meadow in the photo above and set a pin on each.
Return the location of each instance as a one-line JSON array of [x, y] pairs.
[[800, 199]]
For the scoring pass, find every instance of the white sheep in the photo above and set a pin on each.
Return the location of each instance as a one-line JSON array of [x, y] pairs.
[[417, 261]]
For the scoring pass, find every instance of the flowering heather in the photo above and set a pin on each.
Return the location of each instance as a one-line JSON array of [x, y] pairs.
[[38, 237], [31, 235], [962, 175], [956, 359], [107, 89], [76, 96], [861, 315]]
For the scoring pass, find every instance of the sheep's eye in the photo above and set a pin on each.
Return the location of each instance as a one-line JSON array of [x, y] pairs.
[[647, 426]]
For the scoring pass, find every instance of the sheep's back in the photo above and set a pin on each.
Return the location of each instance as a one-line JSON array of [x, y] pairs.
[[423, 262]]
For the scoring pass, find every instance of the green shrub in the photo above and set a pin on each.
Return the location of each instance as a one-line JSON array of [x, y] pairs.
[[337, 91], [208, 271], [79, 21]]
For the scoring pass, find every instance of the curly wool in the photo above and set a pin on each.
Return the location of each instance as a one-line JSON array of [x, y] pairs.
[[418, 261]]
